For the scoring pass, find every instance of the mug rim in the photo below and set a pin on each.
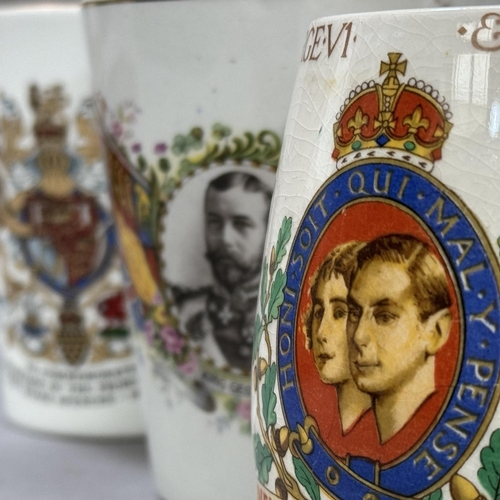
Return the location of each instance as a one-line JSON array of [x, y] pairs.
[[100, 3], [408, 12], [357, 15], [39, 8]]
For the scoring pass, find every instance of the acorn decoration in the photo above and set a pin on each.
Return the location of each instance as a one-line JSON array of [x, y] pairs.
[[281, 437], [260, 370], [463, 489], [281, 490]]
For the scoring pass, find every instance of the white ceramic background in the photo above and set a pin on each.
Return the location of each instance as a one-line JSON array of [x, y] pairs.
[[466, 76], [45, 45]]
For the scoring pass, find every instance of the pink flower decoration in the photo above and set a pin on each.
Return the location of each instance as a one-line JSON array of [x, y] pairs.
[[116, 129], [149, 331], [172, 340], [136, 148], [160, 148], [244, 409], [190, 366]]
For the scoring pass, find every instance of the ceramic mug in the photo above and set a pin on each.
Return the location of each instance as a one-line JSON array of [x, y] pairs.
[[68, 365], [193, 99], [377, 352]]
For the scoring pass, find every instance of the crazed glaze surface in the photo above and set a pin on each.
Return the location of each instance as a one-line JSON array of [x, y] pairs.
[[195, 93], [388, 181]]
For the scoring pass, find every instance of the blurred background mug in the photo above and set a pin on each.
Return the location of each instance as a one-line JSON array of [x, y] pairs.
[[192, 98], [66, 350], [377, 353]]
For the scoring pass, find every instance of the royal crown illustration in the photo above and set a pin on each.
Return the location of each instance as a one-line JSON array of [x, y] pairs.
[[48, 106], [406, 121]]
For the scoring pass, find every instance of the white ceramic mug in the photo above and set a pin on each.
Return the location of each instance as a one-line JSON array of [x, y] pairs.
[[67, 358], [377, 367], [193, 97]]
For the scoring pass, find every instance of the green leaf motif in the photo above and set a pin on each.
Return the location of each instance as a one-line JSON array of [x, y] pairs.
[[230, 405], [263, 288], [277, 297], [123, 150], [154, 196], [489, 473], [186, 168], [219, 131], [259, 329], [180, 145], [263, 459], [283, 238], [306, 479], [197, 133], [269, 397], [435, 495], [169, 186], [164, 165], [141, 161]]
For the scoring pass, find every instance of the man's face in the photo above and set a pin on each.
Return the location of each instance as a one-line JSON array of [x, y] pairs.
[[328, 331], [385, 333], [235, 230]]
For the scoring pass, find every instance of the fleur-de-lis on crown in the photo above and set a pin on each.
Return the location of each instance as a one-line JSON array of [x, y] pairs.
[[357, 121], [415, 121]]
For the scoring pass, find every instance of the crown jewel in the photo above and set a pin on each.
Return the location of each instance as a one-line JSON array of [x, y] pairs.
[[408, 121]]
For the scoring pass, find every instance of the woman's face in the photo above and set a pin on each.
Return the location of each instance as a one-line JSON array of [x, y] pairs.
[[329, 340]]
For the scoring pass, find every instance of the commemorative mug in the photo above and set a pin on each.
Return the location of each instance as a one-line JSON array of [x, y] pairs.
[[67, 359], [377, 353], [192, 99]]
